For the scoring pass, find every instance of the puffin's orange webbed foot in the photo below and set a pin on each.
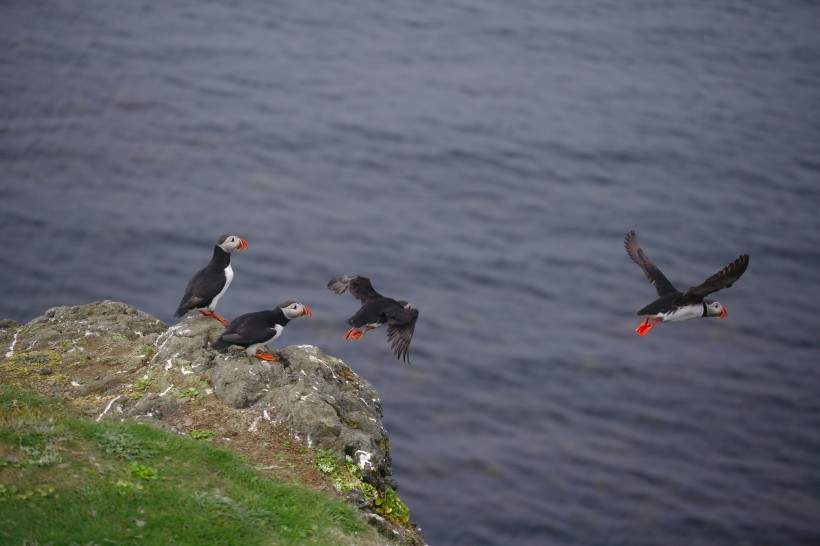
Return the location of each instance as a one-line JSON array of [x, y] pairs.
[[645, 326], [353, 333], [265, 356]]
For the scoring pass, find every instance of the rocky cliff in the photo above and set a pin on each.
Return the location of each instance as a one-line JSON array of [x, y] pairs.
[[112, 361]]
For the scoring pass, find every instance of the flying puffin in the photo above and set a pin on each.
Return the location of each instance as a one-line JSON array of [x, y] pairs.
[[253, 330], [377, 310], [212, 281], [673, 305]]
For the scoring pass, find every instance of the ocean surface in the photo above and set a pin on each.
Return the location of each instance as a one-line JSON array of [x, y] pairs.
[[484, 161]]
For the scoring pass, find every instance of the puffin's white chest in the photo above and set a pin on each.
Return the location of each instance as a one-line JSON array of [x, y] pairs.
[[228, 279], [251, 350], [278, 330], [682, 313]]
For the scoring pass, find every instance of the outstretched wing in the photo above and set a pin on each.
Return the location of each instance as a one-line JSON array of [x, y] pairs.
[[720, 280], [650, 270], [400, 326], [359, 287]]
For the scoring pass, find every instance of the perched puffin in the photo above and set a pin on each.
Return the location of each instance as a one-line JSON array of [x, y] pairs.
[[253, 330], [212, 281], [377, 310], [674, 305]]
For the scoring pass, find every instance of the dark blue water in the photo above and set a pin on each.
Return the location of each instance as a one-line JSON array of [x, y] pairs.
[[484, 161]]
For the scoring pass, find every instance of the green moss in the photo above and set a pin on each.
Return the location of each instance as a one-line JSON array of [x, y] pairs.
[[36, 358], [27, 365], [347, 476], [389, 506]]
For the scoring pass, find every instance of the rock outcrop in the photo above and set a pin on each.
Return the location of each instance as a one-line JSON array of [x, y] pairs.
[[113, 361]]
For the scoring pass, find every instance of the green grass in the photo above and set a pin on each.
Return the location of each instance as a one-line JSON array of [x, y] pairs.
[[65, 480]]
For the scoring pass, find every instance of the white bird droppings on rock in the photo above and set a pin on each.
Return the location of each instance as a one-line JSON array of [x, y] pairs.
[[108, 407], [10, 353], [364, 458], [255, 424]]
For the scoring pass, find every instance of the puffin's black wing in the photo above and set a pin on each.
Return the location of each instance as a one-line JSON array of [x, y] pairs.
[[201, 289], [359, 287], [650, 270], [401, 324], [247, 329], [722, 279]]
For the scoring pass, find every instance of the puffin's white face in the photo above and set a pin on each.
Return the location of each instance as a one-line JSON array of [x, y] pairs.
[[233, 242], [715, 309], [293, 310]]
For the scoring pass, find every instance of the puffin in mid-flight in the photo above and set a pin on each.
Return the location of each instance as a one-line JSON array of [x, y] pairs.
[[673, 305], [212, 281], [377, 310], [253, 330]]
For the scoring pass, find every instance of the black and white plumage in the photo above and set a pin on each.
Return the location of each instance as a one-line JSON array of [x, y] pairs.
[[377, 310], [673, 305], [211, 282], [254, 330]]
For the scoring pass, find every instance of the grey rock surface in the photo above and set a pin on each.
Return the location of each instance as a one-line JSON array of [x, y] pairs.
[[315, 396]]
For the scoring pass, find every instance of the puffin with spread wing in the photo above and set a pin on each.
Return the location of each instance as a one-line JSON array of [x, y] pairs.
[[673, 305], [377, 310]]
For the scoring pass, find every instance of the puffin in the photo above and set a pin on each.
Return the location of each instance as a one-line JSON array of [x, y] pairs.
[[212, 281], [377, 310], [253, 330], [673, 305]]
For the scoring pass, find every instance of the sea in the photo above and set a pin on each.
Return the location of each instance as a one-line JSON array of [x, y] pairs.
[[483, 160]]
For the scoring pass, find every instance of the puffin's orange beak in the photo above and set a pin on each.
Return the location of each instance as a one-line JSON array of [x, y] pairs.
[[724, 314], [306, 311], [243, 244]]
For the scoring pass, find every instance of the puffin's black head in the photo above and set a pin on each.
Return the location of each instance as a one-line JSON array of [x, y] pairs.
[[714, 308], [229, 243], [293, 309]]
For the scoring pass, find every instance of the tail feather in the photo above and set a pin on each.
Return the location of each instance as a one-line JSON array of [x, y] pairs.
[[220, 345], [340, 284]]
